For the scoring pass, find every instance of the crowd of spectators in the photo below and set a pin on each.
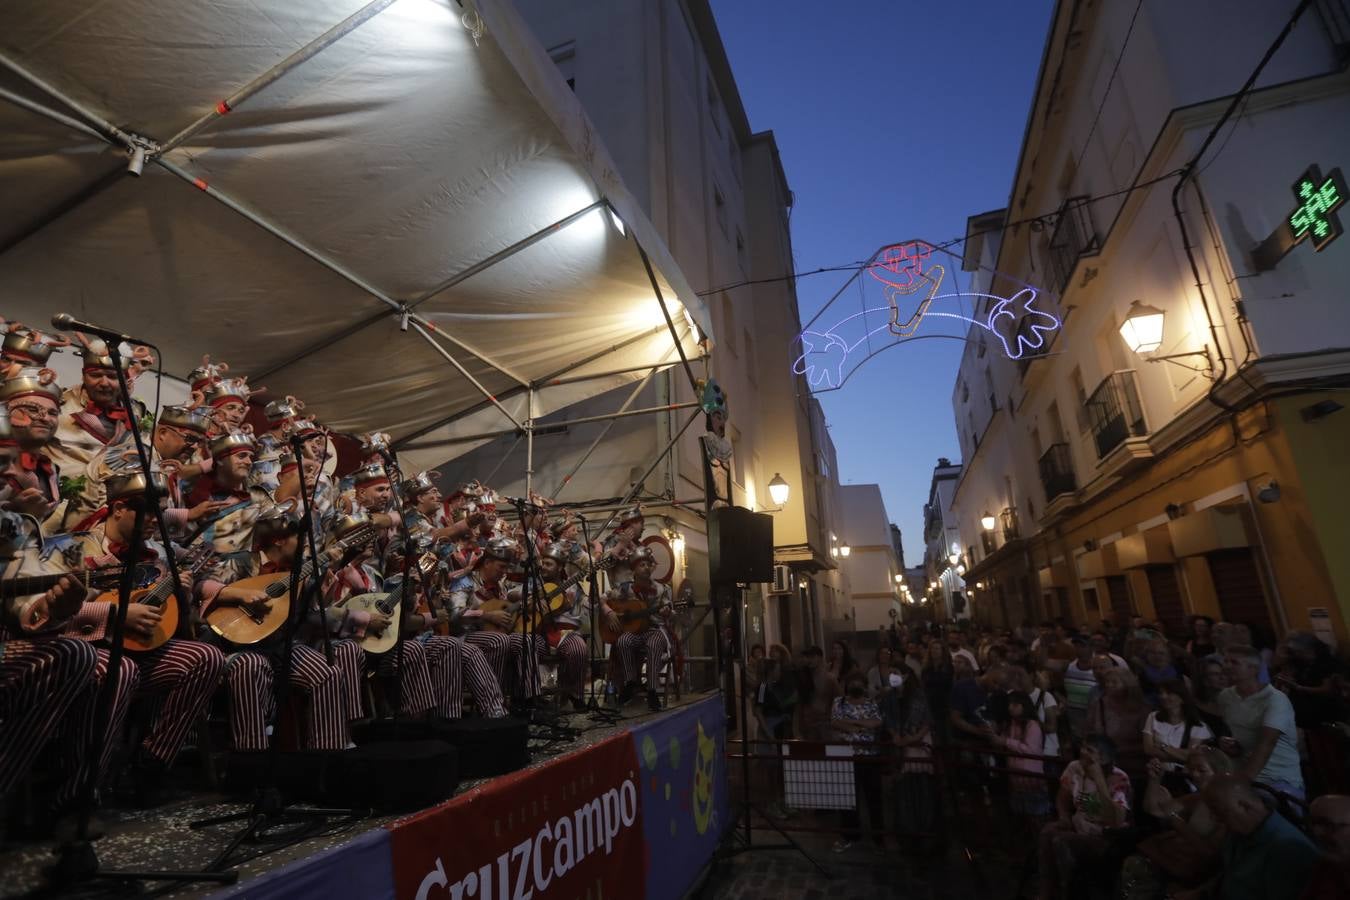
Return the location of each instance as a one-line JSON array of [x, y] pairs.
[[1197, 765]]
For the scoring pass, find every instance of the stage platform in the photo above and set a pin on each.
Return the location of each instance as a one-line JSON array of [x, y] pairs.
[[648, 776]]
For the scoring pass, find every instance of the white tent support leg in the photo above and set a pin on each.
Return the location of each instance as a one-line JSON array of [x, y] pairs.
[[529, 441], [299, 57], [604, 432], [637, 485], [465, 372]]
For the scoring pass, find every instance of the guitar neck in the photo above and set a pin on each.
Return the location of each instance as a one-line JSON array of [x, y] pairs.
[[602, 565], [24, 585], [390, 601]]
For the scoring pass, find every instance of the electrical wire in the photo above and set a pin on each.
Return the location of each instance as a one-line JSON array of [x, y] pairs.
[[1043, 218], [1087, 142]]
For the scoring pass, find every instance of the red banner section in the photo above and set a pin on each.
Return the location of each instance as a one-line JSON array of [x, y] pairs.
[[569, 830]]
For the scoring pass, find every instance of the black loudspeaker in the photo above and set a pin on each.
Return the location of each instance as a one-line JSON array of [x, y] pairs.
[[740, 546], [487, 747], [373, 776]]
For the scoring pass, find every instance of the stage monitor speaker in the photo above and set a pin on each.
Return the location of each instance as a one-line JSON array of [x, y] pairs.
[[740, 546]]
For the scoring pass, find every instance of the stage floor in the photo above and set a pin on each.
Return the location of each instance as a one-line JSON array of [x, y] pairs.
[[159, 839]]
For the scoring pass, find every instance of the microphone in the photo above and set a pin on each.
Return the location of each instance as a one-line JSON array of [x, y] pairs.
[[67, 321]]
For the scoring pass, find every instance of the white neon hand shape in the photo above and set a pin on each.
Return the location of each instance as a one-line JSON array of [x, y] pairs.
[[822, 359], [1004, 321]]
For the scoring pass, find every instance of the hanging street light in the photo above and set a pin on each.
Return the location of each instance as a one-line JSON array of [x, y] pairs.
[[779, 489], [1142, 329], [987, 521]]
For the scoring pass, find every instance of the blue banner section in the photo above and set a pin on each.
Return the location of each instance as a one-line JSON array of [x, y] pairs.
[[685, 797], [362, 867]]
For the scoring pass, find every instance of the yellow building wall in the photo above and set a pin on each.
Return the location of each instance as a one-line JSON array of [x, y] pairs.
[[1294, 536]]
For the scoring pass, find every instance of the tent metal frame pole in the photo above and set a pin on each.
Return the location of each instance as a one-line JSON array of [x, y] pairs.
[[577, 379], [670, 323], [632, 397], [504, 253], [529, 441], [109, 132], [299, 57], [546, 426], [465, 372], [637, 485], [47, 112], [406, 440], [477, 354]]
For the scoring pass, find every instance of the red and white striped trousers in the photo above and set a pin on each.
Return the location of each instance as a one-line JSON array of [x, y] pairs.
[[185, 674], [455, 664], [508, 655], [651, 644], [252, 700], [419, 692], [351, 661], [73, 739], [39, 681], [574, 664]]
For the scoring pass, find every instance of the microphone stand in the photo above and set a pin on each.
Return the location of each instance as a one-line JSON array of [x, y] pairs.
[[268, 809], [396, 482], [77, 861], [593, 707]]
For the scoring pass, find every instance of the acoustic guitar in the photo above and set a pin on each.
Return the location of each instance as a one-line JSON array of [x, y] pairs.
[[634, 614], [389, 604], [160, 596], [243, 627], [553, 600]]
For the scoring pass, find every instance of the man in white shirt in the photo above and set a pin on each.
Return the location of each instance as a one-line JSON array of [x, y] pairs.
[[1261, 720], [956, 641]]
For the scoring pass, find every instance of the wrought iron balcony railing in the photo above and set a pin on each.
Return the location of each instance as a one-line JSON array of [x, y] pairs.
[[1057, 472], [1114, 412]]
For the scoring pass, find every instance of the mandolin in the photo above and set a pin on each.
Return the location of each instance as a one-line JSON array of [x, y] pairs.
[[160, 596], [389, 604], [243, 627], [553, 599]]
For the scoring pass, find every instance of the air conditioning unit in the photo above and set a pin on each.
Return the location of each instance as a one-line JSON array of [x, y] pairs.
[[782, 580]]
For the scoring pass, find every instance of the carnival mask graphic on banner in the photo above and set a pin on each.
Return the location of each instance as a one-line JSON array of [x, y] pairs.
[[907, 277]]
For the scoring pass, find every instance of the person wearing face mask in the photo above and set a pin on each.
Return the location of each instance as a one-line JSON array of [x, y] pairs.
[[856, 720]]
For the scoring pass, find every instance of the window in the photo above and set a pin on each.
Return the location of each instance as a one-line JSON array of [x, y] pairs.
[[1080, 394], [1012, 407], [740, 248], [974, 435], [734, 151], [989, 387], [729, 325], [720, 207], [564, 56], [965, 392], [749, 346], [714, 106]]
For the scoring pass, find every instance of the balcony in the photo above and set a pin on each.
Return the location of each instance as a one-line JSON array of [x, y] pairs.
[[1116, 418], [1008, 519], [1057, 472], [1073, 238]]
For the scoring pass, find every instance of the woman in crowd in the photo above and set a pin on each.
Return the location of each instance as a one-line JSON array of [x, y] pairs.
[[754, 674], [856, 721], [905, 715], [937, 688], [1174, 728], [840, 663], [1119, 713], [882, 676], [1201, 643], [1047, 707], [1022, 735], [1308, 677], [1094, 796], [1186, 852], [1155, 667], [777, 697]]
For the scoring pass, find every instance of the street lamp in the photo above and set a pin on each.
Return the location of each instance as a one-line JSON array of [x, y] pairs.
[[845, 550], [1142, 329], [779, 489], [987, 521], [954, 558], [899, 579]]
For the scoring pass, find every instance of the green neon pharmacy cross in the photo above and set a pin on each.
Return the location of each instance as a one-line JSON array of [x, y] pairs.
[[1318, 199]]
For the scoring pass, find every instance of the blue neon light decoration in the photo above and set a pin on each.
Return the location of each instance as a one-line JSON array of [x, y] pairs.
[[828, 356]]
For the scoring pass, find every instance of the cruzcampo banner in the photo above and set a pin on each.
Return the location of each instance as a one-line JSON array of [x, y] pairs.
[[685, 801], [569, 829]]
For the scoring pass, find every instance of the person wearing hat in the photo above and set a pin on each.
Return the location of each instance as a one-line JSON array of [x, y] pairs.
[[568, 625], [333, 691], [651, 642], [230, 528], [452, 663], [506, 653], [92, 414], [33, 400], [182, 673], [227, 398], [180, 432], [41, 674]]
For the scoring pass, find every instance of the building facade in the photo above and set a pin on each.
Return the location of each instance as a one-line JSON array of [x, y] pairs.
[[655, 81], [869, 561], [944, 588], [1171, 449]]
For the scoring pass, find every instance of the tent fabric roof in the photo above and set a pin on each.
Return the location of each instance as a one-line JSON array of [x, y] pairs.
[[393, 155]]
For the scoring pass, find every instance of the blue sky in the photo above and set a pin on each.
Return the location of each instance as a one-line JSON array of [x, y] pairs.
[[895, 120]]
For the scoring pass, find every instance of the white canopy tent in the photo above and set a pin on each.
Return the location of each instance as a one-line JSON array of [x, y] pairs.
[[395, 210]]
